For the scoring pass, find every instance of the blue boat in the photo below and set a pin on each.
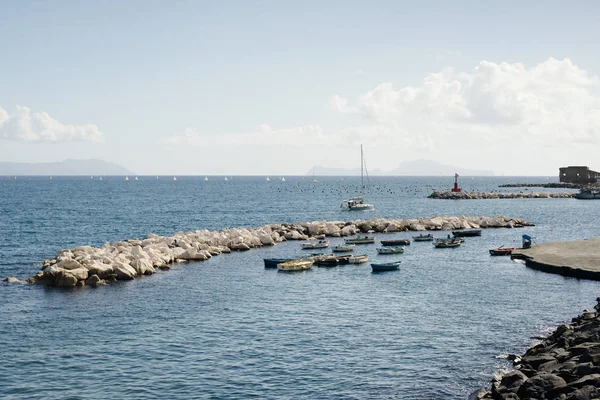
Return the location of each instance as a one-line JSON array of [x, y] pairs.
[[390, 266]]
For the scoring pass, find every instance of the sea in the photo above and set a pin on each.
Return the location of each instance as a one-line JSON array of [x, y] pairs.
[[228, 328]]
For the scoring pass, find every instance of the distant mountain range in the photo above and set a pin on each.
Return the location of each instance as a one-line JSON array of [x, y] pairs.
[[67, 167], [407, 168]]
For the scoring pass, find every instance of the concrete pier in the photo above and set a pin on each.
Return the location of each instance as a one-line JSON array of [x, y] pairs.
[[578, 259]]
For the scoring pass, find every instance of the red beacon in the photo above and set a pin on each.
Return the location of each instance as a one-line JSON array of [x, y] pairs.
[[456, 189]]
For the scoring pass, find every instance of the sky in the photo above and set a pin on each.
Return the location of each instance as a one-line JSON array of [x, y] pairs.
[[275, 87]]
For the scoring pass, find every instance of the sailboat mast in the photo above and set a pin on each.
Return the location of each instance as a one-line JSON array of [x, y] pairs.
[[362, 182]]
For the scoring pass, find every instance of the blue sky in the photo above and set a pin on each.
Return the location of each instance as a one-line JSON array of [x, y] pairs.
[[252, 83]]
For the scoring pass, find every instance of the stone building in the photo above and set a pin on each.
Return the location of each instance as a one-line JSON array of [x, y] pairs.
[[578, 174]]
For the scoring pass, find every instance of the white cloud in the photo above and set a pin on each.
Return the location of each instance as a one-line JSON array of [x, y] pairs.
[[23, 125], [552, 100]]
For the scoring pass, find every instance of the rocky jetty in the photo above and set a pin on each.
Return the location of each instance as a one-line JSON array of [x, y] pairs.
[[565, 365], [124, 260], [488, 195], [548, 185]]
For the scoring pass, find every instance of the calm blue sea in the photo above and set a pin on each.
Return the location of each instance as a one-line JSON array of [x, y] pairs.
[[229, 329]]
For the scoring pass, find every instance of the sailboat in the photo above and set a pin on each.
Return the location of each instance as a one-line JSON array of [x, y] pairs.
[[314, 180], [358, 203], [174, 178], [126, 178], [136, 178], [206, 178], [283, 179], [268, 179], [226, 179], [100, 178]]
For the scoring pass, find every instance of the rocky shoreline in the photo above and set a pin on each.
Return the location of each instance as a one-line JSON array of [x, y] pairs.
[[565, 365], [126, 260], [489, 195]]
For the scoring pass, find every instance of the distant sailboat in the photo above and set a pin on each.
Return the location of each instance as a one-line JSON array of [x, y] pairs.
[[91, 177], [136, 178], [268, 180], [314, 180], [100, 178], [174, 178], [226, 179], [283, 179], [206, 178], [126, 178]]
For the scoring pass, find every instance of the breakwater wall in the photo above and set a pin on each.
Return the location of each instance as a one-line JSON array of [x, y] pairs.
[[125, 260], [565, 365], [489, 195], [548, 185]]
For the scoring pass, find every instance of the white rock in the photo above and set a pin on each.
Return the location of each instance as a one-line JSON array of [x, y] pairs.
[[81, 274], [69, 264], [142, 267], [124, 271]]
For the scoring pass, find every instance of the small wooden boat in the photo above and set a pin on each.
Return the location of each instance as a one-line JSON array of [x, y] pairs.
[[321, 244], [343, 248], [467, 233], [274, 262], [423, 238], [327, 261], [390, 250], [295, 265], [447, 244], [391, 266], [395, 242], [360, 240], [501, 251], [345, 259], [358, 259]]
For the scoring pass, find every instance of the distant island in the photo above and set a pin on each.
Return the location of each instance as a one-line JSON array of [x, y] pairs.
[[66, 167], [407, 168]]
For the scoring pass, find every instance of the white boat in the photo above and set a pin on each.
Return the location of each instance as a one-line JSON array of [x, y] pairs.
[[226, 179], [390, 250], [283, 179], [174, 178], [268, 179], [126, 178], [313, 178], [295, 265], [136, 178], [320, 244], [588, 194], [100, 178], [343, 248], [358, 259], [358, 203], [206, 178], [360, 240]]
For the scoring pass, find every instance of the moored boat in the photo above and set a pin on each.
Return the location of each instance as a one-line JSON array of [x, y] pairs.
[[423, 238], [295, 265], [502, 251], [360, 240], [358, 259], [274, 262], [390, 266], [321, 244], [467, 233], [327, 261], [343, 248], [444, 244], [390, 250], [358, 203], [395, 242], [588, 194]]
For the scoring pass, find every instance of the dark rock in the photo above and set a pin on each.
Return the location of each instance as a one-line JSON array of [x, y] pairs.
[[480, 394], [586, 369], [537, 386], [585, 393], [510, 383], [549, 366], [535, 361], [593, 379]]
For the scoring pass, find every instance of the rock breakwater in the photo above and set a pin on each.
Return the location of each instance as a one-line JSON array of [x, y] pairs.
[[125, 260], [565, 365], [550, 185], [492, 195]]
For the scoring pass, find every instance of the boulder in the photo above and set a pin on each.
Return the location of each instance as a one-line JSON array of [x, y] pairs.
[[63, 278], [100, 269], [68, 264], [239, 247], [192, 255], [142, 267], [537, 386], [81, 274], [123, 271], [95, 281], [12, 279]]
